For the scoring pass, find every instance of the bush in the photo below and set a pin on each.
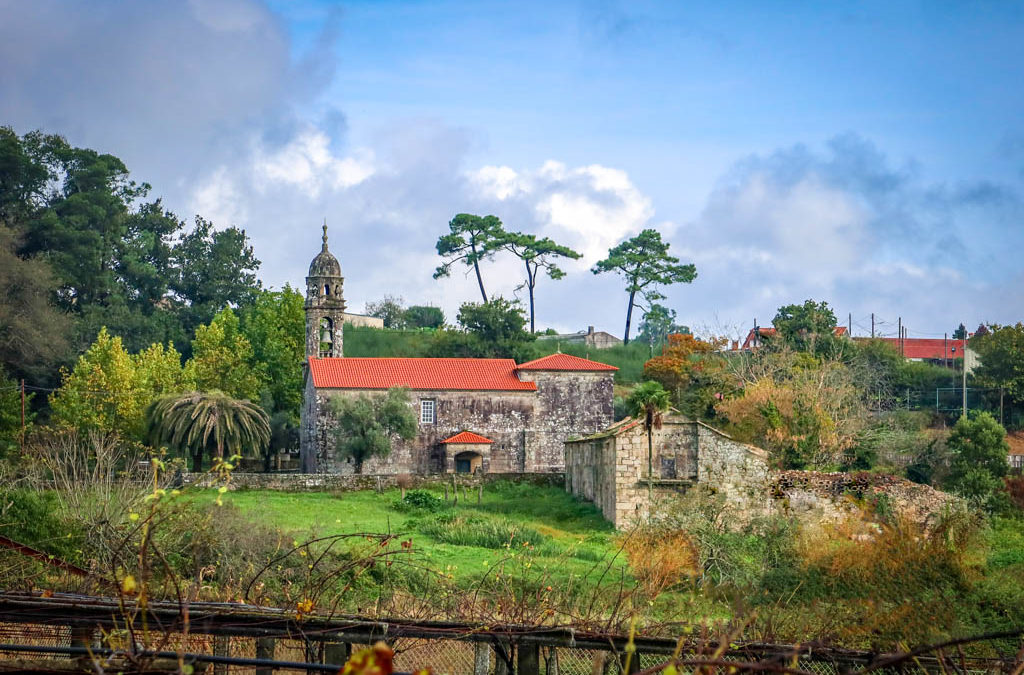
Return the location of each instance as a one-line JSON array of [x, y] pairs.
[[660, 560], [420, 500], [31, 517]]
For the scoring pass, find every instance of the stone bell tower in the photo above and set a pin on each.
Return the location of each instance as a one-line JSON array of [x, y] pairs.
[[325, 305]]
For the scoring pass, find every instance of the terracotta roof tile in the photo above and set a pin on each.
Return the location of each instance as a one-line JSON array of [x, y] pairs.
[[467, 437], [928, 348], [565, 362], [422, 374]]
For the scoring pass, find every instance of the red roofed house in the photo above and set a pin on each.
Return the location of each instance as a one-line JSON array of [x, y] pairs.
[[489, 415], [756, 336]]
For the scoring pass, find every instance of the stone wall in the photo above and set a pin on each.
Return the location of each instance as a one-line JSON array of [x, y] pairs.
[[326, 482], [837, 496], [610, 469], [568, 404]]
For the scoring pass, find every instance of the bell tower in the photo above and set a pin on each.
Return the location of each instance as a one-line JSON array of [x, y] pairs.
[[325, 305]]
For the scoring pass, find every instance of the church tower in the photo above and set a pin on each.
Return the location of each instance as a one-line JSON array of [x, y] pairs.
[[325, 305]]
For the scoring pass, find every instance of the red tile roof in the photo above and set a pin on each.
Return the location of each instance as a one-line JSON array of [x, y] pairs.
[[928, 348], [430, 374], [565, 362], [467, 437], [762, 331]]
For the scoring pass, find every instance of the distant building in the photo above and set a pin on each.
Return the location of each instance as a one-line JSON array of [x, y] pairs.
[[591, 338], [757, 336]]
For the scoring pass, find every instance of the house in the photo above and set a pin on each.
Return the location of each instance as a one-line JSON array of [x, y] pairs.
[[487, 415], [609, 468], [937, 351], [758, 334], [591, 338]]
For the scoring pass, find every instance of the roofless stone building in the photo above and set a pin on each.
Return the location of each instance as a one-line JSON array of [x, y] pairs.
[[487, 415]]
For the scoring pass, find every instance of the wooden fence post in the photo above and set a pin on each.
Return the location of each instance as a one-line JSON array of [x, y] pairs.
[[221, 647], [265, 648], [528, 659], [336, 653], [482, 658], [552, 663]]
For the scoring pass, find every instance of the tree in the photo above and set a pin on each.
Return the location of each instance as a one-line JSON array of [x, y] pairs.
[[108, 389], [32, 330], [275, 327], [649, 400], [960, 333], [1001, 353], [365, 425], [222, 359], [537, 255], [808, 327], [470, 240], [284, 435], [645, 264], [492, 329], [659, 321], [423, 316], [979, 448], [208, 423], [390, 310], [213, 270]]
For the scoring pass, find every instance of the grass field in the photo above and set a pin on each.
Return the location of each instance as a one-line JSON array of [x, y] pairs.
[[566, 538]]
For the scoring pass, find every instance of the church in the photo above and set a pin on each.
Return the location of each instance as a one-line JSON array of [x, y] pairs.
[[474, 415]]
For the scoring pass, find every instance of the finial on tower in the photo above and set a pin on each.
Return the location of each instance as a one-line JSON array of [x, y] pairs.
[[325, 235]]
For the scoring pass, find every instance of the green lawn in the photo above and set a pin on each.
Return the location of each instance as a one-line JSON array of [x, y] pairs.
[[570, 538]]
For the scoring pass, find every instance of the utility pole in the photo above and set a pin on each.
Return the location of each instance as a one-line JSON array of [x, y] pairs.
[[963, 354], [849, 325], [945, 350], [22, 444], [899, 333], [872, 325]]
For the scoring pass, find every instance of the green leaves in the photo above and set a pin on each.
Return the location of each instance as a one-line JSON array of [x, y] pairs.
[[208, 423], [470, 240], [645, 264], [648, 401], [366, 424]]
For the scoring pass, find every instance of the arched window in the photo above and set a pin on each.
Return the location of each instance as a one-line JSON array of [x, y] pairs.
[[327, 289], [326, 337]]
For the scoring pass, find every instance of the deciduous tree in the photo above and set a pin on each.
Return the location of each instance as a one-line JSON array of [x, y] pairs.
[[275, 327], [645, 264], [979, 448], [222, 359], [390, 310]]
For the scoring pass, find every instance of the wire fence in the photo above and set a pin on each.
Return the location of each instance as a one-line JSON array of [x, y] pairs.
[[83, 634]]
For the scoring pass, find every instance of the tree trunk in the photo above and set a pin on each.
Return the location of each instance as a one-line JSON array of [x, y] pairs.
[[197, 461], [531, 280], [650, 468], [357, 465], [629, 316], [479, 279]]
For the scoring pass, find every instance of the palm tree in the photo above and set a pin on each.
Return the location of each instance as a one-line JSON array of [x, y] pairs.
[[649, 400], [207, 422]]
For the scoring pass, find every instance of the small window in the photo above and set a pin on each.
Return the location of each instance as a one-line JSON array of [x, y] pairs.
[[327, 289], [427, 411]]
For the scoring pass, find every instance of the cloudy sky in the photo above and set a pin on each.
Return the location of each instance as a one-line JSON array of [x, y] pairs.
[[869, 154]]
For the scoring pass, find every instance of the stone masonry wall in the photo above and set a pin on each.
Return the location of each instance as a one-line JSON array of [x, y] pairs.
[[568, 404], [502, 416], [321, 482], [611, 470]]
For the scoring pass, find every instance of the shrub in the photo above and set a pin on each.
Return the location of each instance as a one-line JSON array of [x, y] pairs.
[[660, 560], [420, 500], [31, 517]]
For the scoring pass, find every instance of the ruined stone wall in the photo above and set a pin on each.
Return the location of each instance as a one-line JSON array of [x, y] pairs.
[[837, 496], [738, 472], [611, 470], [569, 404], [502, 416]]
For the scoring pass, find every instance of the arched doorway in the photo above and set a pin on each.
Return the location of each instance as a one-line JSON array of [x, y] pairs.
[[468, 462]]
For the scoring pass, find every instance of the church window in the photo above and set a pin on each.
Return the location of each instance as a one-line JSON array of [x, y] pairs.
[[327, 289], [428, 410]]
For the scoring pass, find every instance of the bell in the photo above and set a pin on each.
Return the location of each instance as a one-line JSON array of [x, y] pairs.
[[325, 335]]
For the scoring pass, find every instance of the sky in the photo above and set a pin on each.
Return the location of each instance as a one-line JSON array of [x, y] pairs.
[[867, 154]]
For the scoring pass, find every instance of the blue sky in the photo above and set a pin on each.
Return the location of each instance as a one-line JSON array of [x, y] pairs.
[[867, 154]]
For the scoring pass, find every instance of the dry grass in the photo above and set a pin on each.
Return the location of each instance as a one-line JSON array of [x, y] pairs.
[[660, 560]]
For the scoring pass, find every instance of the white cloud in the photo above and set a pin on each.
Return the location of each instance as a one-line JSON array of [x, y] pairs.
[[306, 162]]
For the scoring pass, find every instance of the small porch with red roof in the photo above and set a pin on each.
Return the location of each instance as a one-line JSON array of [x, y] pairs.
[[466, 452]]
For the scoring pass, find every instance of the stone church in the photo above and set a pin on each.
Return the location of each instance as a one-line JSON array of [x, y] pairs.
[[475, 415]]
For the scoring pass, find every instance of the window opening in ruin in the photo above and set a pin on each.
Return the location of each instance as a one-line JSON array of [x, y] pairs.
[[668, 467], [427, 411], [326, 337]]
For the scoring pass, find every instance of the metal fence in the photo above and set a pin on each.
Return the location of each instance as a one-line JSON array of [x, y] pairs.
[[67, 633]]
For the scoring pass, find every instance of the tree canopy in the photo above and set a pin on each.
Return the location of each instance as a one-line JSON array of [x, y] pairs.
[[470, 240], [646, 266], [537, 255]]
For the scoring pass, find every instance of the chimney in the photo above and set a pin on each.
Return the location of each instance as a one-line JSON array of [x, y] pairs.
[[590, 330]]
